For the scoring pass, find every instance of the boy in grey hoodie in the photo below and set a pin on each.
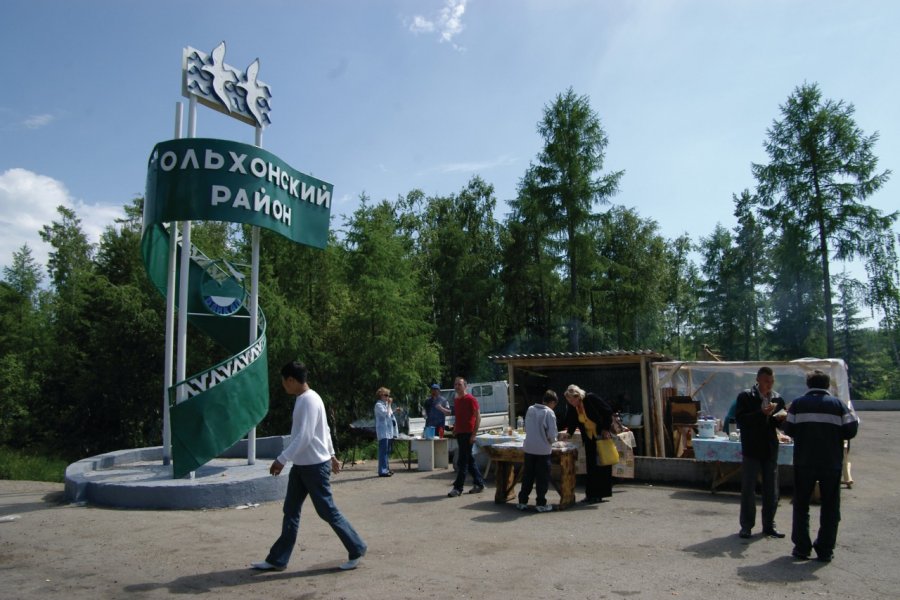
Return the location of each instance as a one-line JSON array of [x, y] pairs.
[[540, 433]]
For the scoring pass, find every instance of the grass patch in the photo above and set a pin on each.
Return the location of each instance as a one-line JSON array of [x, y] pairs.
[[28, 466], [369, 451]]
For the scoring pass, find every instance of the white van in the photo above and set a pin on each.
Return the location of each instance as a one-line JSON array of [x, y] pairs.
[[493, 400]]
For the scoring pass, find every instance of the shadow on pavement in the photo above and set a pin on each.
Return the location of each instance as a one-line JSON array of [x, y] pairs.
[[207, 582], [783, 569]]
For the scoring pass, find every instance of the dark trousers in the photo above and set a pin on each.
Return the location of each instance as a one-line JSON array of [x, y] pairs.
[[805, 479], [466, 462], [313, 481], [536, 470], [598, 480], [751, 468]]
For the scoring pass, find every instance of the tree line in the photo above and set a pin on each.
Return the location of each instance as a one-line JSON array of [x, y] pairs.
[[422, 288]]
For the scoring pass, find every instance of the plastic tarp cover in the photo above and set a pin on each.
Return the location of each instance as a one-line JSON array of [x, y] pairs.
[[717, 384]]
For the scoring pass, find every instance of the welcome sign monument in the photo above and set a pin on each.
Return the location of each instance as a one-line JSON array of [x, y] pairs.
[[200, 179]]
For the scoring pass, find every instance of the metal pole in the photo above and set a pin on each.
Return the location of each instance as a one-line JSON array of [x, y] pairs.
[[181, 359], [254, 306], [170, 315]]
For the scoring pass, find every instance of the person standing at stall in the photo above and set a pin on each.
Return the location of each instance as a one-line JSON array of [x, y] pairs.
[[819, 424], [540, 433], [759, 411], [436, 410], [465, 428], [592, 416], [385, 429]]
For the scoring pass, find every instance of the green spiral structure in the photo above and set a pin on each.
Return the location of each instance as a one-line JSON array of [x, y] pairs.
[[204, 179]]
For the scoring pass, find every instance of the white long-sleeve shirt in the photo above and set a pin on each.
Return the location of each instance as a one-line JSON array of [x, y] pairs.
[[310, 436]]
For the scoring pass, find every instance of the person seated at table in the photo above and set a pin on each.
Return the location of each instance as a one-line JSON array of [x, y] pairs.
[[592, 416], [540, 433], [385, 429]]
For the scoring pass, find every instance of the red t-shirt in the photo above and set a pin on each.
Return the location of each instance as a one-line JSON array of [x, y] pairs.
[[464, 410]]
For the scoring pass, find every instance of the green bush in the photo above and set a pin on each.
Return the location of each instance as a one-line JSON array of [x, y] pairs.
[[24, 465]]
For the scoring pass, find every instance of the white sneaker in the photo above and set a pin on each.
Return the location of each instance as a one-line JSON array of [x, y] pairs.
[[350, 564], [264, 565], [544, 508], [521, 506]]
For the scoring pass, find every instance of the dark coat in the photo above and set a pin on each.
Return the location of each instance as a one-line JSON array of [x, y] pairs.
[[759, 435], [597, 410]]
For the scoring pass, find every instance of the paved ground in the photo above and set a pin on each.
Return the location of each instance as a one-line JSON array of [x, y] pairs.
[[648, 542]]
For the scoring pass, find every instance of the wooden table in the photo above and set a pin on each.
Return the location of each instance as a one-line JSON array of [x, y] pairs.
[[507, 456]]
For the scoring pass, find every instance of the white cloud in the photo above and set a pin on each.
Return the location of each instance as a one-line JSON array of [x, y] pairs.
[[476, 166], [451, 19], [447, 25], [38, 121], [421, 25], [28, 201]]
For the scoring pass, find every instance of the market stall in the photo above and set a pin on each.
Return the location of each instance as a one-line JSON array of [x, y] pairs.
[[619, 376], [711, 388]]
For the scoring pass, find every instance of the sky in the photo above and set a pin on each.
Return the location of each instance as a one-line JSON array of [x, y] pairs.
[[381, 97]]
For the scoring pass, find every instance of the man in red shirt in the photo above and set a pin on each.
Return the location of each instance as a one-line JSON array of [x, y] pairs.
[[468, 420]]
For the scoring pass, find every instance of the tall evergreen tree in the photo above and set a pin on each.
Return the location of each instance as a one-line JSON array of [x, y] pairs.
[[822, 169], [752, 246], [569, 186], [631, 276], [682, 316], [460, 240], [530, 274], [389, 337], [719, 301]]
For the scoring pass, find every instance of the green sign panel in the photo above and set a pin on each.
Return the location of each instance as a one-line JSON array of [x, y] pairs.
[[217, 180]]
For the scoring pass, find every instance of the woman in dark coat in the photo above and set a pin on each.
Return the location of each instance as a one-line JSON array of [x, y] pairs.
[[592, 416]]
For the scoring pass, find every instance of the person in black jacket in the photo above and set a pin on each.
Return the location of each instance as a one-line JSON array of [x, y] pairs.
[[591, 415], [819, 424], [758, 412]]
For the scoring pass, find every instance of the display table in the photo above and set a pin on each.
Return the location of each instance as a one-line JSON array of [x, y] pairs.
[[396, 449], [432, 453], [725, 457], [508, 455], [486, 440]]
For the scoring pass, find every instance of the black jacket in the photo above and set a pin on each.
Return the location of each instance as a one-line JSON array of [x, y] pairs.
[[596, 409], [759, 438], [819, 424]]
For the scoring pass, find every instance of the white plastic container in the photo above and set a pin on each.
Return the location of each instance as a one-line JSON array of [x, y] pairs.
[[706, 429]]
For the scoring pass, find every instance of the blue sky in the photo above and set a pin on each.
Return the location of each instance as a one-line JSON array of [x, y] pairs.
[[385, 96]]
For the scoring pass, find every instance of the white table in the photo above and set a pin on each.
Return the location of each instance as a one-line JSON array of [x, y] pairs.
[[434, 453]]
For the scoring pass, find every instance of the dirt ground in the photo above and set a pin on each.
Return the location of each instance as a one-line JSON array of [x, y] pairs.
[[648, 542]]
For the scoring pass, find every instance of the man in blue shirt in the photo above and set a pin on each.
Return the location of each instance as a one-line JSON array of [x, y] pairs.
[[436, 410], [819, 424]]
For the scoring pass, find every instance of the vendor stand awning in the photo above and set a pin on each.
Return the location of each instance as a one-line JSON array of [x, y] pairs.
[[716, 385], [622, 375]]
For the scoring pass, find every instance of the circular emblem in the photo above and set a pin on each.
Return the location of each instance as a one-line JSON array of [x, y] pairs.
[[223, 293]]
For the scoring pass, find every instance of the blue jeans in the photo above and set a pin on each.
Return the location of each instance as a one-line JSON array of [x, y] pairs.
[[314, 481], [466, 461], [384, 455]]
